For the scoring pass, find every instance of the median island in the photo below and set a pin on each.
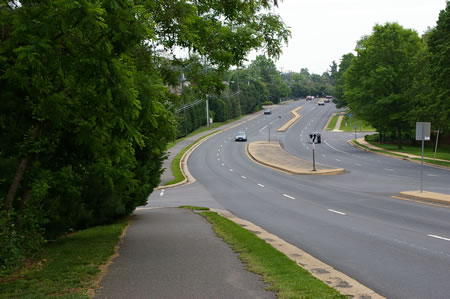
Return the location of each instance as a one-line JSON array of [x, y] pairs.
[[272, 155]]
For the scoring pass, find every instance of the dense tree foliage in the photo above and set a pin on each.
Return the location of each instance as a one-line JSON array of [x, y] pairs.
[[438, 42], [398, 78], [380, 79], [86, 110], [304, 84], [339, 95]]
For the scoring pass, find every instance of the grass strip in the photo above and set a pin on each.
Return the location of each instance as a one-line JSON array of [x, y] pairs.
[[175, 165], [69, 267], [443, 151], [440, 163], [284, 275], [194, 208], [333, 122], [203, 129], [429, 161], [378, 151], [348, 123]]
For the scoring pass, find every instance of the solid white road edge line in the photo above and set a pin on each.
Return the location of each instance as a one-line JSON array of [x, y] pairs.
[[438, 237], [337, 212]]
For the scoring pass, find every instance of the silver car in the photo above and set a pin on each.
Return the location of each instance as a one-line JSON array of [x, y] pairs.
[[240, 136]]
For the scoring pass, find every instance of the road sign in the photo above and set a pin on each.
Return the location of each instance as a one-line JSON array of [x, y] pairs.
[[355, 127], [315, 138], [350, 115], [423, 130]]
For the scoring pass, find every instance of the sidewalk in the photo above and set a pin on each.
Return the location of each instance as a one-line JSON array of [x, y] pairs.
[[174, 253]]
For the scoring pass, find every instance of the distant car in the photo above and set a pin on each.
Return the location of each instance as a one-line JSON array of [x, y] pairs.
[[240, 136], [267, 111], [327, 100], [321, 103]]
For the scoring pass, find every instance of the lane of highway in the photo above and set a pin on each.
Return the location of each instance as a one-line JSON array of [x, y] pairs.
[[381, 241]]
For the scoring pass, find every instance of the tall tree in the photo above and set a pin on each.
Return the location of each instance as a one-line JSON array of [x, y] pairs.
[[339, 96], [379, 80], [438, 41]]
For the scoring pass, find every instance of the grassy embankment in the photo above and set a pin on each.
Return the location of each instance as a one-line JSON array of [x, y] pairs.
[[68, 268], [348, 124], [332, 122], [443, 151], [175, 165]]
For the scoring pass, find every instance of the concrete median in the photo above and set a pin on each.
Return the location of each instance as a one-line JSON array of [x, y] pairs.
[[272, 155]]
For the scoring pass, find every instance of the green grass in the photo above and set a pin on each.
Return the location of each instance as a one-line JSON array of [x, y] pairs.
[[441, 163], [430, 161], [333, 122], [203, 129], [282, 274], [175, 165], [348, 124], [69, 267], [193, 208], [442, 153]]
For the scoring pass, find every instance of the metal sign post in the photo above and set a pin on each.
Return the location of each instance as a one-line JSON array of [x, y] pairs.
[[314, 157], [356, 128], [269, 126], [422, 133]]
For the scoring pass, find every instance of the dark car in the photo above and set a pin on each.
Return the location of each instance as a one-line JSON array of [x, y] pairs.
[[240, 136], [267, 111]]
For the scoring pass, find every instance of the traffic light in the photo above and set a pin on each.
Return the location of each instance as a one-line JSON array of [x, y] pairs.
[[315, 138]]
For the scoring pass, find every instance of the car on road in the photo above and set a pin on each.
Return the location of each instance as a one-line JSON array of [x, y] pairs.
[[327, 100], [240, 136], [267, 111], [321, 103]]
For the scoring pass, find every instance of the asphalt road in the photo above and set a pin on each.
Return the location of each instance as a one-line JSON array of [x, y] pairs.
[[399, 248]]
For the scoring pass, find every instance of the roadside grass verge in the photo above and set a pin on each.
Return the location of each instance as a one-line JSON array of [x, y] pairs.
[[348, 124], [203, 129], [175, 165], [194, 208], [333, 122], [284, 276], [429, 161], [426, 160], [443, 151], [69, 267]]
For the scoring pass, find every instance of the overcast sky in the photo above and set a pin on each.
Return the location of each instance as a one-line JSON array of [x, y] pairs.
[[324, 30]]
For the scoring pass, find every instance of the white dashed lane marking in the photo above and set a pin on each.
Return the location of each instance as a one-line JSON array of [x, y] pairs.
[[337, 212], [243, 177], [261, 185], [288, 196], [162, 192]]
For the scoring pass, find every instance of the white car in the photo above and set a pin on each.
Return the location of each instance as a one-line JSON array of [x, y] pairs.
[[321, 103], [240, 136]]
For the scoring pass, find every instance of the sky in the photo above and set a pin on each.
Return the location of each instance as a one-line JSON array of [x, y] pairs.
[[324, 30]]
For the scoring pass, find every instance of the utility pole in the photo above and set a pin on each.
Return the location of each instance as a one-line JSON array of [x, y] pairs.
[[207, 112]]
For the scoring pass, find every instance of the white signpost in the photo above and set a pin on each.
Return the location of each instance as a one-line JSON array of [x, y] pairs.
[[423, 130]]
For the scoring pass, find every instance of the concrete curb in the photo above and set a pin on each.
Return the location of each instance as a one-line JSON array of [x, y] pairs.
[[292, 121], [291, 171], [327, 274], [427, 196], [188, 178]]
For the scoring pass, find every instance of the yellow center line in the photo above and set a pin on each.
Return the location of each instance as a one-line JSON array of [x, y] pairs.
[[425, 203]]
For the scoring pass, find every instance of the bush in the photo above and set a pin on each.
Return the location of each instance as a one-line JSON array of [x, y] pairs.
[[267, 103], [20, 237]]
